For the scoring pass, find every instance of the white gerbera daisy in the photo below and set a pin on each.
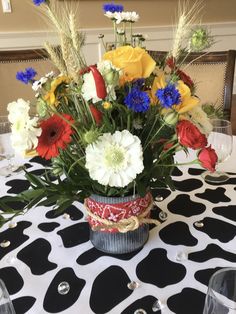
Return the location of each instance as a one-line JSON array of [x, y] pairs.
[[115, 159]]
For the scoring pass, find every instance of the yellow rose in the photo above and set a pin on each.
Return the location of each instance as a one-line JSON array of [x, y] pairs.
[[134, 62]]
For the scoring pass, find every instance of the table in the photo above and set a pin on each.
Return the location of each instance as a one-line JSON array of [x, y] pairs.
[[174, 266]]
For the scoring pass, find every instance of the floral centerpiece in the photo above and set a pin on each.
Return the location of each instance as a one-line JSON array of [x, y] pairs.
[[110, 129]]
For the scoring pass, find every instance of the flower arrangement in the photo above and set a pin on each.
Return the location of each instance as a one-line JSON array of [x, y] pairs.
[[112, 128]]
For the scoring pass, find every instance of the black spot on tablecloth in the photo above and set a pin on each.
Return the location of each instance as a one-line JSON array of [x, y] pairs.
[[176, 172], [195, 171], [35, 255], [73, 211], [17, 186], [204, 275], [62, 302], [188, 185], [154, 268], [12, 279], [74, 235], [41, 161], [226, 211], [22, 305], [183, 205], [160, 192], [218, 229], [16, 205], [212, 251], [182, 235], [189, 301], [48, 226], [93, 254], [144, 303], [15, 236], [109, 289], [214, 196]]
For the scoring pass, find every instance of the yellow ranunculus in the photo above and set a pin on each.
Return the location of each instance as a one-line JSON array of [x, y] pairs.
[[188, 101], [50, 97], [159, 82], [134, 62]]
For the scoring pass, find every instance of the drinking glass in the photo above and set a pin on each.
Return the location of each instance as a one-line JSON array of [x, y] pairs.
[[6, 306], [221, 294], [6, 150], [221, 140]]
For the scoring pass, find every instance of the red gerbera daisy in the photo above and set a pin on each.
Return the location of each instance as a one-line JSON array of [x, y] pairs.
[[56, 133]]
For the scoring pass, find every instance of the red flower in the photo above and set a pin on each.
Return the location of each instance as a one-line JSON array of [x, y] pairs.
[[56, 133], [189, 135], [208, 158], [97, 115], [185, 78]]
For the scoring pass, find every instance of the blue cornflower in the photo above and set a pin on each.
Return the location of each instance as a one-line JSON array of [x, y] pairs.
[[137, 100], [168, 96], [38, 2], [112, 7], [26, 76], [138, 83]]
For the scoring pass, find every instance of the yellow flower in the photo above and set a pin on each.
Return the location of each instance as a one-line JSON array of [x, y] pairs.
[[30, 153], [134, 62], [188, 102], [106, 105], [50, 97], [159, 82]]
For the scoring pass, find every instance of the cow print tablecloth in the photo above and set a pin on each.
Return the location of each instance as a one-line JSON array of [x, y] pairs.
[[174, 266]]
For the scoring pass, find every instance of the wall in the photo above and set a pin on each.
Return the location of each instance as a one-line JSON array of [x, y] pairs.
[[26, 28], [25, 16]]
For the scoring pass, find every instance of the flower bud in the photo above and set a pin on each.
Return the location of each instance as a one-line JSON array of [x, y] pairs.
[[171, 117]]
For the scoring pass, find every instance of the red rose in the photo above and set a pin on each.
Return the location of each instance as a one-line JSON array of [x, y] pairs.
[[208, 158], [97, 115], [189, 135]]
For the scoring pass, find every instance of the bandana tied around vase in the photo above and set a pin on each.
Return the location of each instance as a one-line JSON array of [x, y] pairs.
[[121, 217]]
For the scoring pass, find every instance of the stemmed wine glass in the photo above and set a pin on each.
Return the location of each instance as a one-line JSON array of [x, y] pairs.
[[221, 140], [6, 150], [221, 293]]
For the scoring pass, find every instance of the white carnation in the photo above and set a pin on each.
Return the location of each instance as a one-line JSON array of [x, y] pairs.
[[115, 159]]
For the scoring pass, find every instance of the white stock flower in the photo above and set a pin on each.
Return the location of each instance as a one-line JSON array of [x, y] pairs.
[[88, 89], [115, 159], [24, 130], [25, 137], [18, 111]]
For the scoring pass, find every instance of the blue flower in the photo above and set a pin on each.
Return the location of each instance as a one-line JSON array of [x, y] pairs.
[[26, 76], [38, 2], [137, 100], [112, 7], [168, 96]]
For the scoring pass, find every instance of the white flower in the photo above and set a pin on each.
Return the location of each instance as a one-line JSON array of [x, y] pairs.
[[50, 74], [18, 111], [38, 84], [111, 76], [89, 88], [24, 130], [115, 159]]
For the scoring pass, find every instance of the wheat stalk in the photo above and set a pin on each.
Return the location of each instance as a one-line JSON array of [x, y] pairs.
[[55, 57]]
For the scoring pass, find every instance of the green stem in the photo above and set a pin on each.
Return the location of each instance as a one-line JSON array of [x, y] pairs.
[[196, 162], [146, 145]]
